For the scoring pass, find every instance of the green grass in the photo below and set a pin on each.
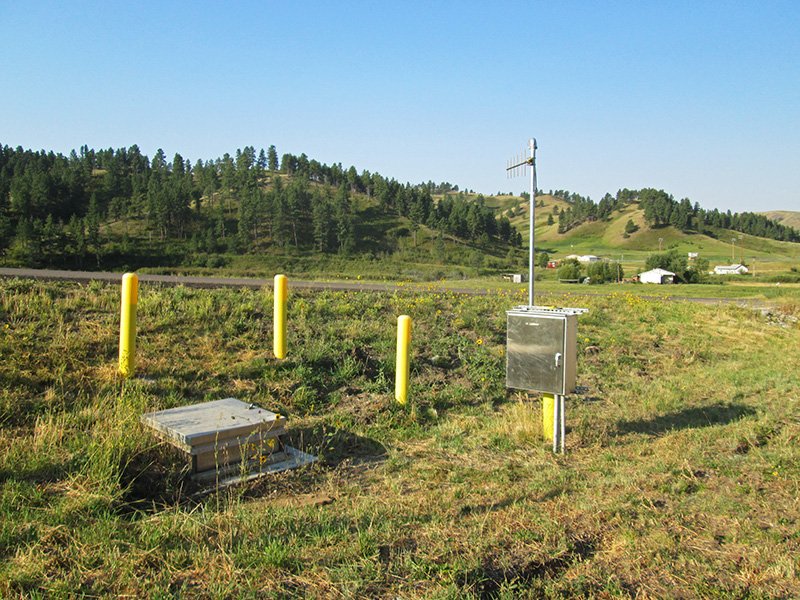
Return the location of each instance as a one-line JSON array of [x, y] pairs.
[[680, 478]]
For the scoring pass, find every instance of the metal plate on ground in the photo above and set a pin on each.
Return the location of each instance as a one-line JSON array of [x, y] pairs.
[[229, 441], [291, 458], [211, 423]]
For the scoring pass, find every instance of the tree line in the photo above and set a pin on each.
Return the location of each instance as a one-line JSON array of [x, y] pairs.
[[661, 209], [52, 206], [75, 210], [583, 208]]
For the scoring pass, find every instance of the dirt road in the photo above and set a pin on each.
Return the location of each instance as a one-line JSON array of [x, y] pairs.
[[215, 282], [206, 282]]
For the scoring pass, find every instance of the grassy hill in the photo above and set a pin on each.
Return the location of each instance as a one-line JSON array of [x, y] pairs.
[[607, 238], [387, 248], [784, 217], [117, 210]]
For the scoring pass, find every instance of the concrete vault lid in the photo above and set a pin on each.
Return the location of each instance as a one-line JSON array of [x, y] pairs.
[[213, 422]]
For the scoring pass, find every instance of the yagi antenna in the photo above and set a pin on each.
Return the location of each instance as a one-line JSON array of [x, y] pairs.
[[518, 166]]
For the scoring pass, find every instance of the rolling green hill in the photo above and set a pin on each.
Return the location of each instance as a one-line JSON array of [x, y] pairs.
[[606, 238], [118, 209]]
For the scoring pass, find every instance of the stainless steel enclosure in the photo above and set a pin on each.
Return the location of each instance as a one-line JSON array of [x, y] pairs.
[[542, 349]]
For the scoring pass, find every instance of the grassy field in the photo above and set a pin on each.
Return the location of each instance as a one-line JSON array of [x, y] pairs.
[[680, 478]]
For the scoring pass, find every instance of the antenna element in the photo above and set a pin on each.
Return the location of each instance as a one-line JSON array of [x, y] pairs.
[[528, 157]]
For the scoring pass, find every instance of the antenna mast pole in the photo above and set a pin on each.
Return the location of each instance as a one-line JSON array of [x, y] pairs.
[[513, 169], [532, 161]]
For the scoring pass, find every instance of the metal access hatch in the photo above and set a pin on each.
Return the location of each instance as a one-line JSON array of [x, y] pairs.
[[542, 349], [227, 440]]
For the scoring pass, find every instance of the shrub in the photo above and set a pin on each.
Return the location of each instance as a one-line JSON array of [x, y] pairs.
[[542, 260], [601, 272], [570, 269]]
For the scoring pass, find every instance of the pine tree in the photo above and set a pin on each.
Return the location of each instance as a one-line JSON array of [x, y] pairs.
[[345, 235], [93, 225], [321, 218], [272, 159]]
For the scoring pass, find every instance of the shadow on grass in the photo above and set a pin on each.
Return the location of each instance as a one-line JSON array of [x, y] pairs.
[[689, 418], [335, 446], [488, 580], [159, 478]]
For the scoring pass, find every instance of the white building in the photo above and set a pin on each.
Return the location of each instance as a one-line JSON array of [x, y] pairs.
[[657, 276], [731, 270], [585, 258]]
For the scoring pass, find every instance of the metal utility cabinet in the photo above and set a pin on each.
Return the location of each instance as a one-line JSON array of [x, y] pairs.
[[542, 349]]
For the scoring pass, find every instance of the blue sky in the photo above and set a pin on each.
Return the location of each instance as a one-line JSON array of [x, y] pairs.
[[701, 99]]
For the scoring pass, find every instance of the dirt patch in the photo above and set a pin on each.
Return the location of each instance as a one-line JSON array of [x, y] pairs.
[[301, 501]]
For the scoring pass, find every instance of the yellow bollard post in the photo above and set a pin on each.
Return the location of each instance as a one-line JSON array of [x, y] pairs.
[[127, 324], [403, 342], [548, 414], [279, 316]]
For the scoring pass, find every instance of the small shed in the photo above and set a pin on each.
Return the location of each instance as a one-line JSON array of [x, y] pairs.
[[731, 270], [657, 276]]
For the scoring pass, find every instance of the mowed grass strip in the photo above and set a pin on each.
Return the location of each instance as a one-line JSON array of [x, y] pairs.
[[680, 478]]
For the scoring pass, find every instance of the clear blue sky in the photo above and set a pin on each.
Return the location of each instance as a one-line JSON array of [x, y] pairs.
[[701, 99]]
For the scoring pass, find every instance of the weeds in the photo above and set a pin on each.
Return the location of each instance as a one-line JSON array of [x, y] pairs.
[[680, 478]]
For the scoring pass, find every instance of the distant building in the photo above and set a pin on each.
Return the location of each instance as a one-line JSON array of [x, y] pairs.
[[693, 255], [514, 277], [731, 270], [657, 276], [585, 258]]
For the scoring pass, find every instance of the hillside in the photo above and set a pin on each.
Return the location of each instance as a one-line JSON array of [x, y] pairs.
[[119, 209], [250, 213], [789, 218], [607, 237]]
